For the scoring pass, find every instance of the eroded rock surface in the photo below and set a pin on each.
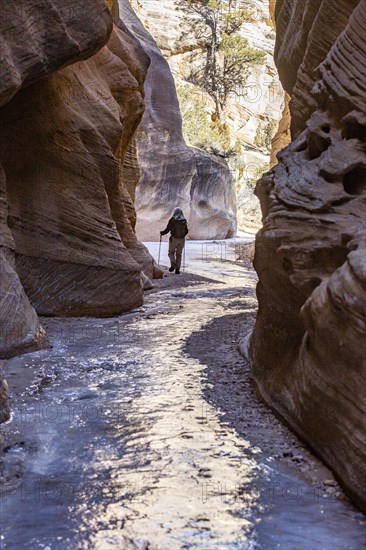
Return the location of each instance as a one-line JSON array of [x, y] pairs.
[[70, 107], [251, 115], [308, 347], [4, 406], [173, 174]]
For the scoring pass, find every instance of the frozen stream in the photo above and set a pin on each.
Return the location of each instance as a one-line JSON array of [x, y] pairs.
[[143, 432]]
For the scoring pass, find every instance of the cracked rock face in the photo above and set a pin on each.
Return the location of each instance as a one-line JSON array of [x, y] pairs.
[[172, 174], [308, 348], [71, 96]]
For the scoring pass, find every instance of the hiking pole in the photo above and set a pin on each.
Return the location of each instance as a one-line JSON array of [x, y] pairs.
[[184, 255], [159, 251]]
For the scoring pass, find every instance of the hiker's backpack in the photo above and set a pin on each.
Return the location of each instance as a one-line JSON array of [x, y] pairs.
[[179, 230]]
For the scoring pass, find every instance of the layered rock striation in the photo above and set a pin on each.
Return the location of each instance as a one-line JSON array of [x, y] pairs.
[[71, 96], [308, 348], [251, 114], [170, 172]]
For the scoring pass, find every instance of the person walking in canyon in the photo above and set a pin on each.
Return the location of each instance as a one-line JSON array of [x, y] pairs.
[[178, 228]]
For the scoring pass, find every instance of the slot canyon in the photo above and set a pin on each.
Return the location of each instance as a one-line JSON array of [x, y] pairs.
[[216, 405]]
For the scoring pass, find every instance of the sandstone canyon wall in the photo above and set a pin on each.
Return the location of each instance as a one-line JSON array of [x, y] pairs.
[[171, 173], [308, 348], [71, 96], [249, 114]]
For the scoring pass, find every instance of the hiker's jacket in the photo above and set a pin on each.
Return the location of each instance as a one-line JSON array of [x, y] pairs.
[[177, 227]]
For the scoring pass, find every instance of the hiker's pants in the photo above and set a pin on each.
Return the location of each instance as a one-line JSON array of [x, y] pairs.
[[175, 252]]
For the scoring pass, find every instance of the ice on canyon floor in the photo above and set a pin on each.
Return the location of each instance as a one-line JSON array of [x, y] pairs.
[[144, 431]]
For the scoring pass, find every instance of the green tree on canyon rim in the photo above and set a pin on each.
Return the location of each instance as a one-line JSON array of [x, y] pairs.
[[228, 56]]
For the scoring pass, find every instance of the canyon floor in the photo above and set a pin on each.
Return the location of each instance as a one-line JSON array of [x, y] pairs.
[[144, 432]]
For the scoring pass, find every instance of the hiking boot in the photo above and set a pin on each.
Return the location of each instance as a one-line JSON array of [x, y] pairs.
[[177, 272], [171, 269]]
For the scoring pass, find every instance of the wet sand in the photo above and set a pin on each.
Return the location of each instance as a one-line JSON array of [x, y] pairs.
[[144, 432]]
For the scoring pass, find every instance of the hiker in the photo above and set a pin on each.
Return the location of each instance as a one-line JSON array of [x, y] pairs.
[[177, 226]]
